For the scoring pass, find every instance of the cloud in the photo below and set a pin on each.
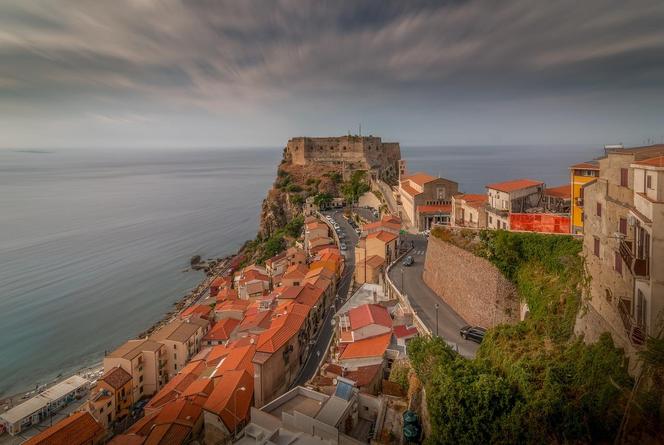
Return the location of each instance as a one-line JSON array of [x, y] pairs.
[[230, 57]]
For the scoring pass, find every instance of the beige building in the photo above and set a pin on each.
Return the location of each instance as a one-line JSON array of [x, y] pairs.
[[372, 255], [469, 210], [515, 196], [146, 361], [624, 246], [182, 339], [426, 200], [111, 398]]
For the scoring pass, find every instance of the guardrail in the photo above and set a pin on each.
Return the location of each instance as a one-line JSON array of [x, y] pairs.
[[419, 324]]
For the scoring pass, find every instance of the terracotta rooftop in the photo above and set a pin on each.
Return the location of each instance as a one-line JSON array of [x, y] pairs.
[[226, 294], [78, 429], [197, 309], [514, 185], [227, 401], [310, 295], [382, 235], [588, 165], [657, 161], [177, 385], [408, 189], [232, 305], [238, 359], [419, 178], [116, 377], [222, 330], [369, 347], [369, 314], [132, 348], [296, 271], [220, 281], [403, 331], [275, 258], [363, 375], [259, 320], [282, 329], [562, 191], [375, 261]]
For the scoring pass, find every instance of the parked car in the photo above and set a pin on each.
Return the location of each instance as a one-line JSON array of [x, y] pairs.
[[328, 217], [343, 246], [473, 333], [408, 261], [341, 235], [335, 225]]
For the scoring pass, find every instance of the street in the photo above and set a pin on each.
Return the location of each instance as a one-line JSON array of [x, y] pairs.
[[423, 300], [318, 350]]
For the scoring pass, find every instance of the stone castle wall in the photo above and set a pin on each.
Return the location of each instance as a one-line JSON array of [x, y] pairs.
[[471, 285], [357, 152]]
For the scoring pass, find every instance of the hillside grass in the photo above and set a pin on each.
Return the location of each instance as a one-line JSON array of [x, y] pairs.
[[532, 381]]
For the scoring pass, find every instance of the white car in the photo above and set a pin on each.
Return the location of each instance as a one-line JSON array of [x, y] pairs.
[[328, 217], [336, 225], [343, 246]]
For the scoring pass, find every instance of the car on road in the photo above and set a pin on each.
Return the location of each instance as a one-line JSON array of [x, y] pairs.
[[328, 217], [343, 246], [335, 225], [408, 261], [341, 235], [473, 333]]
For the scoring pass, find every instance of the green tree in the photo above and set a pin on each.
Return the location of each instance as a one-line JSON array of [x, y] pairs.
[[356, 187], [322, 200]]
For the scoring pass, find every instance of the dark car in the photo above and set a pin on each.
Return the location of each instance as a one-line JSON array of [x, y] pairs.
[[473, 333], [408, 261]]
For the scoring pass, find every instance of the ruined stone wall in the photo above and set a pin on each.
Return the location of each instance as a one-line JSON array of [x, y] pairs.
[[471, 285]]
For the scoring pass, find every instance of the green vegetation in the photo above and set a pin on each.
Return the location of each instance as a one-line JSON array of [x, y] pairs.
[[263, 249], [532, 381], [399, 374], [334, 176], [356, 187], [322, 200]]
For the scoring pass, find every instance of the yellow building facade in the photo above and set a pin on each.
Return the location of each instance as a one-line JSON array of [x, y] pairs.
[[580, 174]]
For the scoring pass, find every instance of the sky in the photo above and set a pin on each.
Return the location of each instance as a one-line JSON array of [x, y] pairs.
[[215, 73]]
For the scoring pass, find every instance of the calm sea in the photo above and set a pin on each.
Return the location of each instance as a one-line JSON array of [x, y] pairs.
[[93, 243]]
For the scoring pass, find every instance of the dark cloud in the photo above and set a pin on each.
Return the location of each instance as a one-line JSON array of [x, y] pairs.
[[243, 59]]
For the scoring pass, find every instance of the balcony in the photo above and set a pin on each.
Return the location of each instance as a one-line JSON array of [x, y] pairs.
[[642, 267], [635, 331]]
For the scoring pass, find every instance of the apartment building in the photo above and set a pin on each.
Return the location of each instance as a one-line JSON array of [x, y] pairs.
[[146, 361], [182, 339], [111, 398], [515, 196], [580, 174], [624, 246], [469, 210]]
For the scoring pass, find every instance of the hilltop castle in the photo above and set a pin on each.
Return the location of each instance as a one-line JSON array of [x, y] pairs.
[[369, 153]]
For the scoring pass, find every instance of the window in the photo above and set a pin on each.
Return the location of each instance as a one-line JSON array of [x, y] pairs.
[[599, 209], [617, 263], [623, 226], [649, 182], [140, 390], [623, 177], [490, 220], [596, 246]]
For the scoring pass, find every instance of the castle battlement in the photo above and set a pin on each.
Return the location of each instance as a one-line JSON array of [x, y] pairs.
[[354, 152]]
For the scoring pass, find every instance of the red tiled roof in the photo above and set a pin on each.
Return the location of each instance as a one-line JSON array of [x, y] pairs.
[[363, 375], [227, 401], [126, 439], [561, 191], [220, 281], [657, 161], [282, 329], [382, 235], [116, 377], [436, 208], [232, 305], [238, 359], [473, 197], [222, 330], [198, 309], [369, 314], [590, 165], [310, 295], [296, 271], [226, 294], [170, 433], [513, 185], [369, 347], [375, 261], [199, 387], [77, 429], [402, 331], [257, 320], [408, 189], [177, 385], [419, 178]]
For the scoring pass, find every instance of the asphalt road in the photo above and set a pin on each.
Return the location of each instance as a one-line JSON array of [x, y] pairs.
[[365, 213], [318, 350], [424, 300]]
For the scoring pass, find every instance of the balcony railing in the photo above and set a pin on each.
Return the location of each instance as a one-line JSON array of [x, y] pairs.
[[625, 249], [634, 330]]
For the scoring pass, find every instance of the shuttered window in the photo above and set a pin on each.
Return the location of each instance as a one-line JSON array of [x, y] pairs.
[[623, 177], [623, 226]]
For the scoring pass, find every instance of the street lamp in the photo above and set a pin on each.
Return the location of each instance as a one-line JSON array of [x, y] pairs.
[[241, 388], [437, 306]]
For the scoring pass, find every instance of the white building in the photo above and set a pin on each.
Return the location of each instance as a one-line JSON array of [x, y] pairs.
[[514, 196]]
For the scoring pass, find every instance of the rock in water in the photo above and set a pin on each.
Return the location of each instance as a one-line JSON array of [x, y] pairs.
[[195, 259]]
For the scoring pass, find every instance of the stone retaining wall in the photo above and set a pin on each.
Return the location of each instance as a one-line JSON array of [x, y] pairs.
[[471, 285]]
